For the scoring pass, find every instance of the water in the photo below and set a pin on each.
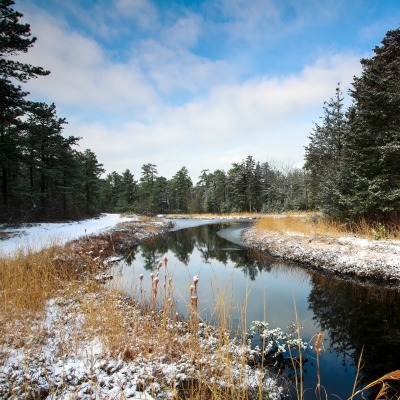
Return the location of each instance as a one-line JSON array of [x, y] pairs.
[[355, 319]]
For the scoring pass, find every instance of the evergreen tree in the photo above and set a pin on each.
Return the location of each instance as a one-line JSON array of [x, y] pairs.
[[45, 152], [181, 185], [147, 189], [15, 38], [324, 156], [372, 156], [12, 105], [110, 190], [128, 193], [90, 171], [162, 195]]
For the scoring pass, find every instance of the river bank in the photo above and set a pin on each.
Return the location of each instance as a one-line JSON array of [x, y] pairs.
[[352, 257], [85, 341]]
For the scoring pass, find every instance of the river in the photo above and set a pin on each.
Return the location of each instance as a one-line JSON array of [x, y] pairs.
[[239, 285]]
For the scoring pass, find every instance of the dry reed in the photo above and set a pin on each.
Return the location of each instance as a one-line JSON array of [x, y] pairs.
[[314, 224]]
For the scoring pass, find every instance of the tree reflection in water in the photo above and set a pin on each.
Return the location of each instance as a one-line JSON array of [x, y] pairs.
[[360, 319], [355, 318], [209, 245]]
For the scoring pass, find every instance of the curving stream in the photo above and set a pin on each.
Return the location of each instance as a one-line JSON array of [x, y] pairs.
[[236, 280]]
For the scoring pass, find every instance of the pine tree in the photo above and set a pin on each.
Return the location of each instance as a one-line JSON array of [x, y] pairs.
[[15, 38], [181, 185], [147, 189], [324, 156], [372, 156]]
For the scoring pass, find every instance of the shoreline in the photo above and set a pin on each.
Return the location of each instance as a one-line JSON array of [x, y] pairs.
[[349, 257], [56, 356]]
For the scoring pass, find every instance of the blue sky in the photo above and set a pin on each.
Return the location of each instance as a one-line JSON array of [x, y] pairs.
[[201, 84]]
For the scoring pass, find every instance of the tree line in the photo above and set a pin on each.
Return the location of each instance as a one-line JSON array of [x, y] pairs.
[[42, 175], [353, 157], [351, 170], [248, 186]]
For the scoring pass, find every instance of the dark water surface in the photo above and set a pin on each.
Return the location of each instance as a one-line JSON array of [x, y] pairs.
[[354, 318]]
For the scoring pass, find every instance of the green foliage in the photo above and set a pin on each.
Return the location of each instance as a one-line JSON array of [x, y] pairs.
[[354, 161], [41, 176], [324, 156]]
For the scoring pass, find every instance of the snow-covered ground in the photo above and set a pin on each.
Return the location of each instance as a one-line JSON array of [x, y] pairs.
[[58, 358], [359, 258], [38, 236]]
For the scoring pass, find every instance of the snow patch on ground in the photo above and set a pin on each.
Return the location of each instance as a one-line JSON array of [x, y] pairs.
[[365, 259], [38, 236], [58, 361]]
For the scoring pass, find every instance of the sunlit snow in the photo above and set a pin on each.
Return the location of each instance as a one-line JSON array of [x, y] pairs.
[[38, 236]]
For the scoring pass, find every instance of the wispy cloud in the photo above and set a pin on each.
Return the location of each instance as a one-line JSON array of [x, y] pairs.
[[199, 85]]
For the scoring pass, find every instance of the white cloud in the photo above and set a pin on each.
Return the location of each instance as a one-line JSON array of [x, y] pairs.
[[217, 120], [269, 119], [143, 12], [81, 73], [172, 69]]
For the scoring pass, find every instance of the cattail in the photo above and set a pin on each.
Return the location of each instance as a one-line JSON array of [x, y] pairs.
[[319, 346], [195, 281], [160, 264], [155, 283], [192, 290], [193, 302], [152, 276], [165, 260], [141, 286], [154, 291]]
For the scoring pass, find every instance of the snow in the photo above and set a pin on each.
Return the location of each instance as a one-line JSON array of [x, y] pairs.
[[350, 256], [37, 236], [58, 358], [51, 366]]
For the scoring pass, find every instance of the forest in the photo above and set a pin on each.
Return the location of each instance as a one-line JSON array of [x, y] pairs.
[[351, 169]]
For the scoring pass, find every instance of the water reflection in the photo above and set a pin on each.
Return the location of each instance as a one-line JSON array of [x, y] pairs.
[[247, 283], [360, 320]]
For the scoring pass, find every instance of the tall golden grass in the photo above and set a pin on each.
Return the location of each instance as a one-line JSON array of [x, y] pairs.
[[128, 328], [314, 224], [138, 328]]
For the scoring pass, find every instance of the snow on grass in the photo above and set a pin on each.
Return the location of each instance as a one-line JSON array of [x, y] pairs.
[[38, 236], [376, 260], [60, 359]]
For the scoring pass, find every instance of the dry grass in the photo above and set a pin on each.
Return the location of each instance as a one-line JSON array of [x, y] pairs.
[[128, 329], [215, 215], [313, 224]]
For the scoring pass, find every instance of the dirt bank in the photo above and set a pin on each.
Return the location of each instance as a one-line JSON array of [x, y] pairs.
[[363, 259]]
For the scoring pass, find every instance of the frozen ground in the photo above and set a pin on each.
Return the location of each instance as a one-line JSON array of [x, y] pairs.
[[38, 236], [362, 259], [58, 359]]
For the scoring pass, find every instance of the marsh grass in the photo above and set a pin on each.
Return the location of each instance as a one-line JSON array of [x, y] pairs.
[[314, 224], [125, 328], [216, 215]]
